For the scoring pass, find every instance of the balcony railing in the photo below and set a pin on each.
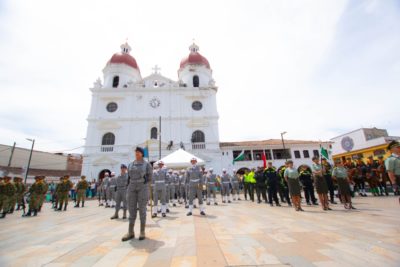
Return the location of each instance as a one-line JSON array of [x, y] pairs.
[[107, 148], [198, 146]]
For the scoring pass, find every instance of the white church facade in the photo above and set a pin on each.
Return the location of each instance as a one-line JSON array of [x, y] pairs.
[[126, 111]]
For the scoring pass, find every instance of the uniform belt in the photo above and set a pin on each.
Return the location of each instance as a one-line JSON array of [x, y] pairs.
[[195, 181], [136, 181], [159, 182], [211, 182], [225, 182]]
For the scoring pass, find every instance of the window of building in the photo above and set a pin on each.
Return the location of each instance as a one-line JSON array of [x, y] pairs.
[[316, 153], [306, 154], [268, 154], [257, 154], [154, 133], [112, 107], [196, 81], [197, 105], [297, 154], [281, 153], [108, 139], [198, 137], [115, 81]]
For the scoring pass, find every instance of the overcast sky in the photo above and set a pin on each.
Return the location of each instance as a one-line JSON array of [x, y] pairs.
[[315, 69]]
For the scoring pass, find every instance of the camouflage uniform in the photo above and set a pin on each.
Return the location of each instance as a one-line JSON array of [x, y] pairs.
[[19, 193], [81, 191], [8, 195], [2, 196], [140, 175], [63, 188], [36, 190], [44, 188]]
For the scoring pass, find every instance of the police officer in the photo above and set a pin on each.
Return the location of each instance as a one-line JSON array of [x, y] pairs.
[[235, 185], [211, 180], [305, 177], [284, 185], [271, 176], [392, 165], [261, 189], [160, 189], [195, 180], [140, 175], [120, 194], [81, 187], [225, 186]]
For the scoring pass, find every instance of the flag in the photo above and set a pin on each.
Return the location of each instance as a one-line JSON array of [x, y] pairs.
[[146, 152], [264, 159], [324, 153], [240, 157]]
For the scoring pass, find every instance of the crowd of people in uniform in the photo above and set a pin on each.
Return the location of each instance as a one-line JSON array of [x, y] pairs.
[[141, 187]]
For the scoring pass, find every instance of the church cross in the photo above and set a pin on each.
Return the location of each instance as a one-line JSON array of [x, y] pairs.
[[156, 69]]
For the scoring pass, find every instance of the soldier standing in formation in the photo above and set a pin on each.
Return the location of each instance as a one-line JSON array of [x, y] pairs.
[[235, 186], [392, 165], [7, 192], [81, 191], [107, 189], [225, 186], [272, 183], [63, 188], [328, 178], [19, 194], [261, 189], [305, 177], [171, 178], [35, 191], [341, 176], [160, 189], [320, 183], [140, 175], [45, 188], [182, 187], [120, 195], [211, 182], [195, 181], [113, 189]]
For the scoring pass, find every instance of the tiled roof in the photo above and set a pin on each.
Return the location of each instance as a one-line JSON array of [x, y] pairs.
[[270, 142]]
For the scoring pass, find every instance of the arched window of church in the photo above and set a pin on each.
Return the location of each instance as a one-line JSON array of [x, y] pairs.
[[108, 139], [153, 133], [115, 81], [198, 137], [196, 81]]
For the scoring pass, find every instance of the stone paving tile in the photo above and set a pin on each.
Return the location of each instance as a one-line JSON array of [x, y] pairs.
[[240, 234]]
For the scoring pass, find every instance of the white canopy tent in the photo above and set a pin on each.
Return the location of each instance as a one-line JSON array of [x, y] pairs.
[[180, 159]]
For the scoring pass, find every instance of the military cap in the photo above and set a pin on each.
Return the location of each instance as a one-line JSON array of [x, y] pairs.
[[289, 162], [140, 150], [37, 177], [83, 177], [7, 178], [393, 144], [17, 178], [123, 166]]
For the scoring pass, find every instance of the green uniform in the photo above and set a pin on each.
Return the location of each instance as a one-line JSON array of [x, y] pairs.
[[35, 191], [392, 164], [19, 193], [62, 193], [81, 191], [2, 196], [292, 176], [44, 187], [9, 193]]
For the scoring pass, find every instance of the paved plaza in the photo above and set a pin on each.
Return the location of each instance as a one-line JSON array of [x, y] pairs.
[[239, 234]]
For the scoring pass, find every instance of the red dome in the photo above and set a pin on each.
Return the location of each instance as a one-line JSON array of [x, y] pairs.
[[194, 58], [123, 58]]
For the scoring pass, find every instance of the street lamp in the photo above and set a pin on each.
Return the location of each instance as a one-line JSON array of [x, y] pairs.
[[30, 158], [284, 148]]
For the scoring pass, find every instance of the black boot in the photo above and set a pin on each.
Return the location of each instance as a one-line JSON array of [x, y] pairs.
[[115, 215], [142, 235], [130, 235], [83, 204], [76, 205], [28, 214], [124, 216], [11, 211], [18, 207], [65, 206], [3, 215], [35, 211]]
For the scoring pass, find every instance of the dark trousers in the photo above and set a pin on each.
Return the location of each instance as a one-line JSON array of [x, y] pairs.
[[331, 187], [286, 194], [360, 183], [249, 189], [272, 193], [309, 192], [261, 190], [281, 190]]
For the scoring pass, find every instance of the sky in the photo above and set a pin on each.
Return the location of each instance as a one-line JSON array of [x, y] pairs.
[[315, 69]]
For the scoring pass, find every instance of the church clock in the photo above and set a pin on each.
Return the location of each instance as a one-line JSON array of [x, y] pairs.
[[155, 102]]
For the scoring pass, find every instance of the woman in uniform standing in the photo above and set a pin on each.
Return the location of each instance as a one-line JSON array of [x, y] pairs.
[[140, 174], [341, 176], [291, 176], [320, 183]]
